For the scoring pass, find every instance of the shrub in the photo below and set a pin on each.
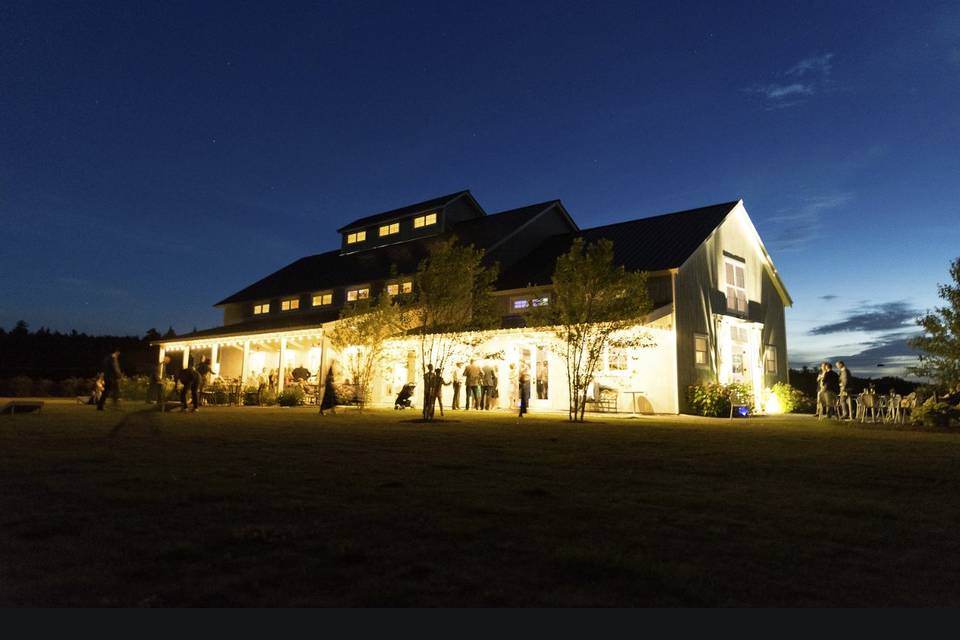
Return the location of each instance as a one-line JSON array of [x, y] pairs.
[[20, 386], [292, 396], [268, 397], [713, 399], [134, 388], [792, 400], [75, 387], [934, 414]]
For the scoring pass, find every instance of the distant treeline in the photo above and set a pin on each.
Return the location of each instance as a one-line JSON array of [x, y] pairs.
[[57, 356], [805, 379]]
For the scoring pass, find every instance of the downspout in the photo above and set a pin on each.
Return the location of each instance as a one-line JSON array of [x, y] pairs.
[[676, 337]]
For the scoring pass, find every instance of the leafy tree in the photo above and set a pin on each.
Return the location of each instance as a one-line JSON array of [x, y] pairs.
[[360, 334], [451, 301], [593, 303], [940, 340]]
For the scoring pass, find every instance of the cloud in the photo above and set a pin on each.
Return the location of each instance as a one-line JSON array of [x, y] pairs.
[[887, 355], [828, 297], [797, 227], [814, 65], [802, 80], [886, 316]]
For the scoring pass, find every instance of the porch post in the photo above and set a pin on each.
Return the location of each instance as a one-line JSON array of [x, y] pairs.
[[245, 362], [214, 363], [186, 356], [283, 365], [162, 353]]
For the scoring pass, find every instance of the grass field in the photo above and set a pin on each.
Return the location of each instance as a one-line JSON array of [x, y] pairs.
[[282, 507]]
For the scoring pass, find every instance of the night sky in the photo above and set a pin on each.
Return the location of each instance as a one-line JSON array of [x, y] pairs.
[[156, 157]]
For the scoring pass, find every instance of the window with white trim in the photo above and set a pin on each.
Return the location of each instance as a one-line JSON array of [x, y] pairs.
[[424, 221], [290, 304], [616, 358], [770, 359], [360, 293], [700, 349], [395, 288], [519, 304], [322, 299], [359, 236], [389, 229], [736, 285], [259, 309], [540, 301]]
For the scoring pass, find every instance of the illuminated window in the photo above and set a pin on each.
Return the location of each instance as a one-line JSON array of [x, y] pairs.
[[359, 236], [406, 287], [390, 229], [736, 282], [770, 359], [616, 358], [393, 289], [700, 349], [259, 309], [361, 293], [542, 301], [424, 221], [519, 304], [321, 299], [291, 304], [400, 287]]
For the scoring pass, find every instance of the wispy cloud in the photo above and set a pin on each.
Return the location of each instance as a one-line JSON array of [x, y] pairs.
[[828, 297], [886, 316], [802, 80], [797, 227]]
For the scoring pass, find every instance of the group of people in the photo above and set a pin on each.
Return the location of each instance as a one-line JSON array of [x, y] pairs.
[[479, 384], [831, 386]]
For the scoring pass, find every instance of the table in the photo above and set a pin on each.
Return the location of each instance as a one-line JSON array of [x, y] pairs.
[[633, 399]]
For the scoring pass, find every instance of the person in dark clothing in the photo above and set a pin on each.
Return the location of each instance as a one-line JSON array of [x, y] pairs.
[[203, 370], [831, 389], [159, 373], [524, 390], [429, 389], [111, 380], [329, 401], [190, 381], [488, 381], [300, 374]]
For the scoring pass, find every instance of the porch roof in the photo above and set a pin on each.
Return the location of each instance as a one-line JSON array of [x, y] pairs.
[[314, 320]]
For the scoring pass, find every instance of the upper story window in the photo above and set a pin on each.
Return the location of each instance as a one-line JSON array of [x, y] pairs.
[[616, 357], [700, 349], [736, 285], [358, 293], [424, 221], [322, 299], [290, 304], [395, 288], [259, 309], [389, 229], [770, 359], [519, 304], [359, 236], [540, 301]]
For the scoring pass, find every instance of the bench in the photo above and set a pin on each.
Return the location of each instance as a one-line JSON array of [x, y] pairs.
[[22, 406]]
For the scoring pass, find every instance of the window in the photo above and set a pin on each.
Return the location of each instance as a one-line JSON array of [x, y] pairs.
[[616, 358], [259, 309], [291, 304], [519, 304], [390, 229], [360, 293], [359, 236], [542, 301], [400, 287], [700, 350], [321, 299], [770, 359], [736, 283], [424, 221]]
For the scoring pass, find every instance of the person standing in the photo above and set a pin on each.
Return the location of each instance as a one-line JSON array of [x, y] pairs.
[[523, 389], [329, 401], [846, 404], [438, 383], [831, 388], [455, 380], [429, 388], [190, 381], [204, 370], [820, 390], [159, 374], [472, 376], [489, 384], [111, 380]]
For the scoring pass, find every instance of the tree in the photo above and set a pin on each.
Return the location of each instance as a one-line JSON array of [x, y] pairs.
[[940, 340], [360, 334], [451, 301], [592, 305]]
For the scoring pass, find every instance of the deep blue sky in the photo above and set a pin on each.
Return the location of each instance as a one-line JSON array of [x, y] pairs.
[[156, 157]]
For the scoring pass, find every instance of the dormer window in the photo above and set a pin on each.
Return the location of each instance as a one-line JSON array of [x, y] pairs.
[[424, 221], [290, 304], [400, 287], [260, 309], [359, 236], [541, 301], [358, 293], [389, 229], [736, 283], [322, 299]]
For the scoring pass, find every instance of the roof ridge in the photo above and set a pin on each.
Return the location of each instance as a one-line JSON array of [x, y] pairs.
[[663, 215]]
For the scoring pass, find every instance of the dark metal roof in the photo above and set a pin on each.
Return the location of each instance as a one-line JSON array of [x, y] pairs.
[[409, 210], [486, 231], [648, 244], [308, 320]]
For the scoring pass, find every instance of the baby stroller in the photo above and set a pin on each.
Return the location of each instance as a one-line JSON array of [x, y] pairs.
[[403, 398]]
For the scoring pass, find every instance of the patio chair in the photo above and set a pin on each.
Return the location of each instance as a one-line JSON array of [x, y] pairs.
[[739, 400], [907, 404], [869, 404]]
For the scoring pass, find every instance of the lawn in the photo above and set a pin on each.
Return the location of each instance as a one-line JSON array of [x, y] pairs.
[[282, 507]]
